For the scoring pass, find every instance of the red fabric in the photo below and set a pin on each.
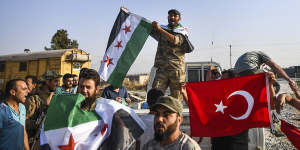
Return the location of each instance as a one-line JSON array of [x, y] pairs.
[[292, 133], [206, 122]]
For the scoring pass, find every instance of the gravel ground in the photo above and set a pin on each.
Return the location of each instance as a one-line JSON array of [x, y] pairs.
[[288, 114]]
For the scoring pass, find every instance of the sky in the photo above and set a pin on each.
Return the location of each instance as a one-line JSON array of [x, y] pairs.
[[271, 26]]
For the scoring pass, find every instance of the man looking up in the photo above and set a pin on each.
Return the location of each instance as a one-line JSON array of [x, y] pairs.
[[173, 43], [12, 116], [67, 86], [167, 119]]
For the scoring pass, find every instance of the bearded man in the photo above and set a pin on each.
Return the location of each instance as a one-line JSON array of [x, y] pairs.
[[167, 119]]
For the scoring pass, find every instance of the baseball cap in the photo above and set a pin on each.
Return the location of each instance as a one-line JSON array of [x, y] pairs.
[[49, 75], [170, 103], [174, 11]]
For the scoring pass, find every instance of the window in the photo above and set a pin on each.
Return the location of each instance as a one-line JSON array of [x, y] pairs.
[[76, 66], [2, 66], [23, 66]]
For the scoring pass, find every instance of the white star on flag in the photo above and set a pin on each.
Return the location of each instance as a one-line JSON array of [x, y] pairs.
[[220, 107]]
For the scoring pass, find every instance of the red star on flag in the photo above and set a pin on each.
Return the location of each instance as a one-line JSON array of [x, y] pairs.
[[70, 146], [127, 29], [119, 44], [108, 61], [104, 129]]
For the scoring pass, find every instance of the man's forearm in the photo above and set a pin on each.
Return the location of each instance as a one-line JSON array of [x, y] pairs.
[[278, 70], [295, 103], [26, 145]]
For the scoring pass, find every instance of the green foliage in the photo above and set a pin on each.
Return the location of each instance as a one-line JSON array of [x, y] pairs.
[[60, 40]]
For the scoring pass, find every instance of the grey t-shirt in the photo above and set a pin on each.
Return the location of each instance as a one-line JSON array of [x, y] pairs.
[[250, 60], [184, 142]]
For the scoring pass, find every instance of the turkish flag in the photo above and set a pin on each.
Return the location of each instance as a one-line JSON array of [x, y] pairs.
[[228, 107], [291, 132]]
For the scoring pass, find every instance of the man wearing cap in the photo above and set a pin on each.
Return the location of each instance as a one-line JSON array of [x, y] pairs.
[[167, 119], [173, 43]]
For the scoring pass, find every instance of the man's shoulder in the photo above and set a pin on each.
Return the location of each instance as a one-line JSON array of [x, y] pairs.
[[108, 88], [189, 143], [3, 107], [150, 145]]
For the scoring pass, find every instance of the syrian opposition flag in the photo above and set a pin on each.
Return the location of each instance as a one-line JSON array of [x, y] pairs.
[[291, 132], [126, 40], [228, 107], [69, 127]]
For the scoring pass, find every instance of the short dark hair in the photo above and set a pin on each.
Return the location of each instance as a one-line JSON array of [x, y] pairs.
[[34, 79], [231, 73], [11, 84], [91, 74], [74, 75], [153, 95], [67, 76], [82, 70], [174, 11]]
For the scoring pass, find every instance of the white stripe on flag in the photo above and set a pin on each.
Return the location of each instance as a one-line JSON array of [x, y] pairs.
[[114, 52], [88, 134]]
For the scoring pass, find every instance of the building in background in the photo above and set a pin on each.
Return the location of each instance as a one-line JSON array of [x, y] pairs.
[[36, 63], [141, 79], [293, 71]]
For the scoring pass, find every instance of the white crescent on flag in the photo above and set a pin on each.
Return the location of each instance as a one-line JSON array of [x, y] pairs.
[[248, 97]]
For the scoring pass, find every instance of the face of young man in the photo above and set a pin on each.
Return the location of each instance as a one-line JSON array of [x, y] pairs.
[[30, 85], [75, 81], [166, 122], [52, 84], [20, 92], [173, 19], [87, 87], [68, 83]]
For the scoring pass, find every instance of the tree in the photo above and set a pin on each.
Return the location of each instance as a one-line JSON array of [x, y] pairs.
[[60, 40]]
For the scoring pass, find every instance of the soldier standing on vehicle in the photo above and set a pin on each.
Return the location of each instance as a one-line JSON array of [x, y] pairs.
[[173, 43]]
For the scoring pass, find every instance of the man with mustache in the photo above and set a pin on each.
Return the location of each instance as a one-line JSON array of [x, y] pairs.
[[173, 43], [167, 119]]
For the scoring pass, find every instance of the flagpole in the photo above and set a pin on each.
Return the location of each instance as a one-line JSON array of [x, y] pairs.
[[122, 3]]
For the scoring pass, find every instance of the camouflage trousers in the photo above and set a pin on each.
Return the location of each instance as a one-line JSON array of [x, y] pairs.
[[169, 78]]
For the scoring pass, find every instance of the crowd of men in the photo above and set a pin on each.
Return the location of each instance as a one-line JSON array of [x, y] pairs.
[[25, 106]]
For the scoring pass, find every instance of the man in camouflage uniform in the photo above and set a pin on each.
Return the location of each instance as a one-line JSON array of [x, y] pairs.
[[37, 105], [173, 43]]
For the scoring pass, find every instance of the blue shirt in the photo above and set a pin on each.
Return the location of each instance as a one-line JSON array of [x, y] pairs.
[[109, 93], [12, 127], [62, 90]]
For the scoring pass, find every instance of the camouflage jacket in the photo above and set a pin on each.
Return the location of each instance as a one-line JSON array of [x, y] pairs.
[[170, 56], [36, 108]]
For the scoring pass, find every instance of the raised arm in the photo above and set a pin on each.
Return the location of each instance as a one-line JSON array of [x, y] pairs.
[[282, 73]]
